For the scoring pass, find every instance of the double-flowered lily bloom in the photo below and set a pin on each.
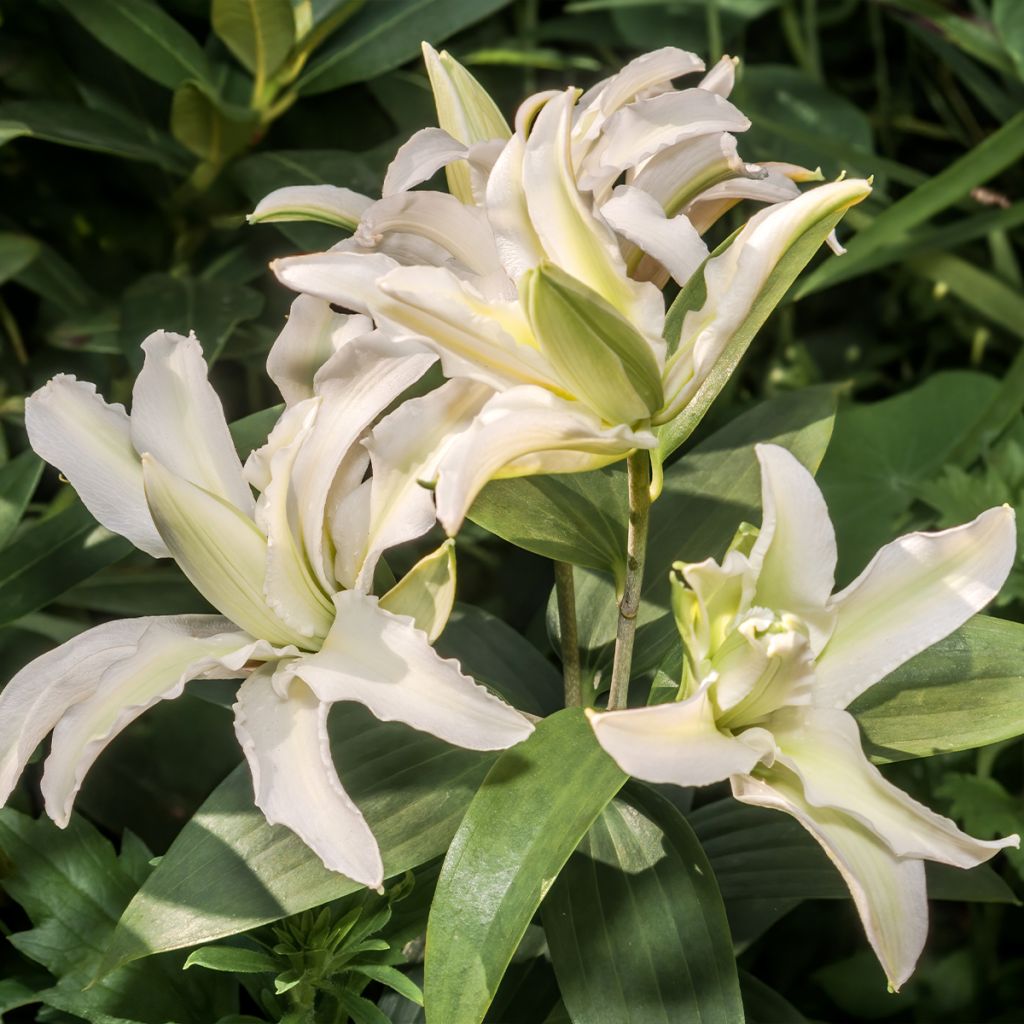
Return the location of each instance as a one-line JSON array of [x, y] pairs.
[[290, 571], [539, 274], [773, 658]]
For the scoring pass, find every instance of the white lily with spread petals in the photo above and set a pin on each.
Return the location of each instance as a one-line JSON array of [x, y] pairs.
[[773, 658], [291, 572], [540, 279]]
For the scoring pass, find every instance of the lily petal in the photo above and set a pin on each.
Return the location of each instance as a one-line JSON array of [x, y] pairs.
[[348, 279], [406, 448], [714, 202], [426, 593], [822, 747], [914, 592], [286, 744], [519, 247], [89, 441], [888, 891], [672, 241], [426, 152], [218, 549], [678, 743], [178, 419], [170, 652], [722, 76], [521, 432], [327, 204], [383, 661], [311, 335], [795, 550]]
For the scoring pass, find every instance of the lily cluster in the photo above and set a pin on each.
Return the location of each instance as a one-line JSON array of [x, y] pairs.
[[536, 282]]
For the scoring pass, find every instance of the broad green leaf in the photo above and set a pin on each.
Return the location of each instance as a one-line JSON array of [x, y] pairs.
[[673, 434], [965, 691], [577, 518], [259, 33], [880, 452], [985, 809], [17, 251], [233, 959], [1002, 149], [759, 854], [764, 1005], [533, 808], [501, 659], [635, 923], [383, 35], [251, 431], [205, 128], [73, 888], [1008, 18], [707, 494], [18, 481], [213, 309], [52, 555], [142, 33], [71, 124]]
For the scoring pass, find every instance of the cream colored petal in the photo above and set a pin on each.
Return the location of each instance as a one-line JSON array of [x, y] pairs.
[[347, 279], [519, 247], [419, 159], [170, 652], [713, 203], [795, 551], [328, 204], [678, 743], [286, 744], [672, 241], [914, 592], [426, 593], [219, 550], [520, 432], [89, 441], [722, 76], [384, 662], [178, 419], [822, 747], [888, 891]]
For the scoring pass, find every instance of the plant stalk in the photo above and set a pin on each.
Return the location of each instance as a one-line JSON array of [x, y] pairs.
[[565, 592], [639, 470]]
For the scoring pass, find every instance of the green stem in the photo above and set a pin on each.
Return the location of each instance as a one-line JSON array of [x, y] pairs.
[[639, 467], [565, 592]]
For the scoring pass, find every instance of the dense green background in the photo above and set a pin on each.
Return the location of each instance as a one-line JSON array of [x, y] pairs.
[[135, 139]]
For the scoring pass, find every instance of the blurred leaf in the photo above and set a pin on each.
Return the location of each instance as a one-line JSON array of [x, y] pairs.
[[1008, 17], [204, 128], [259, 33], [146, 36], [529, 814], [52, 555], [213, 309], [18, 480], [383, 35], [881, 452], [129, 589], [764, 1005], [70, 124], [635, 922], [985, 809], [73, 889], [251, 431], [16, 253], [965, 691], [51, 277]]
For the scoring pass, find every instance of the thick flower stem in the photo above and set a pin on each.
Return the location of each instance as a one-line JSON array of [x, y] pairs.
[[639, 467], [565, 592]]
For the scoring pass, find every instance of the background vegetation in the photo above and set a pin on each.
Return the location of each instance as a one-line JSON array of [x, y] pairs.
[[135, 136]]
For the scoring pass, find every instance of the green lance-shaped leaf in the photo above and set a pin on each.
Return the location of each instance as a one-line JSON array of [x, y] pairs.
[[603, 359], [142, 33], [260, 33], [535, 805], [636, 925]]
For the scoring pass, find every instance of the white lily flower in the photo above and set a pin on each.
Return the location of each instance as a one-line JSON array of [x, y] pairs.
[[773, 658], [542, 276], [168, 478]]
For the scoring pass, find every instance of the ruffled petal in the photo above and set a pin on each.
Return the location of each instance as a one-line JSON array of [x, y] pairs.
[[888, 891], [384, 662], [822, 747], [914, 592], [419, 159], [347, 279], [286, 744], [678, 743], [178, 419], [327, 204], [89, 441], [521, 432], [170, 652]]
